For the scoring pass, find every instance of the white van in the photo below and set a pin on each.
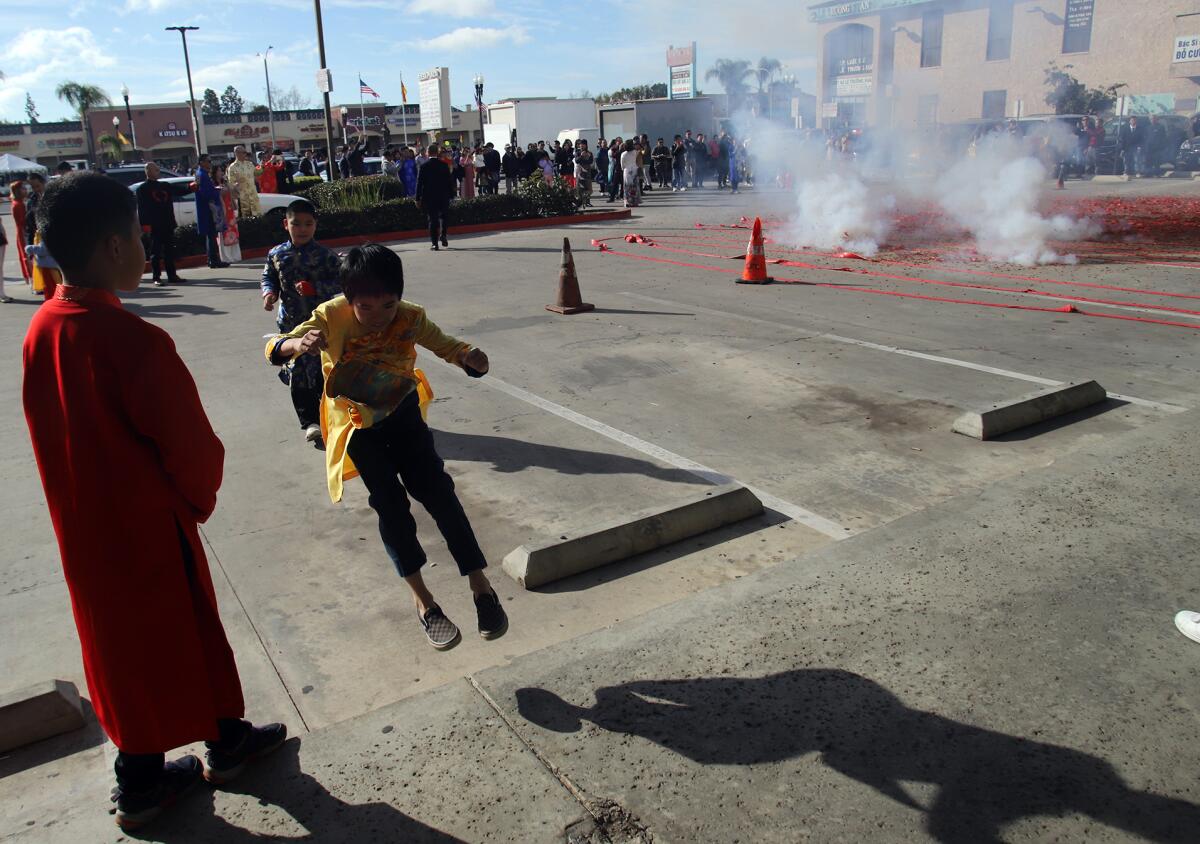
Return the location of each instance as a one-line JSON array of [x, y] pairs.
[[79, 163], [592, 136]]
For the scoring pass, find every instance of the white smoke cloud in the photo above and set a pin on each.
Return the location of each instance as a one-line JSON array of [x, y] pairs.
[[995, 195]]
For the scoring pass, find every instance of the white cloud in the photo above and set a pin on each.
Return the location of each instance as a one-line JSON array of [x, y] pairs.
[[453, 8], [50, 50], [147, 5], [474, 38], [230, 72]]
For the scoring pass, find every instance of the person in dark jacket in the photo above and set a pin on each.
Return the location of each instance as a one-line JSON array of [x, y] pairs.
[[355, 156], [1131, 140], [156, 213], [1156, 146], [511, 165], [435, 188], [491, 159]]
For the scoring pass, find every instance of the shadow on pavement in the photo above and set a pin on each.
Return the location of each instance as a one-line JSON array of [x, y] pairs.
[[278, 781], [169, 311], [509, 455], [57, 747], [985, 779]]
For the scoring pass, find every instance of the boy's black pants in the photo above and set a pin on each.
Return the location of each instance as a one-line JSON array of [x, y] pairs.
[[307, 401], [162, 251], [397, 458], [437, 221]]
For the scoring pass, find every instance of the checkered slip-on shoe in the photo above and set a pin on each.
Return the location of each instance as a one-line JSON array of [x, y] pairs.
[[442, 633]]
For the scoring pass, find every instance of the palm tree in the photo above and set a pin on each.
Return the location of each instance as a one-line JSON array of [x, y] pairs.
[[766, 70], [83, 98], [112, 145], [731, 73]]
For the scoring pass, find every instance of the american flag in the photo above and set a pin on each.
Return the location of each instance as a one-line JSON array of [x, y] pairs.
[[364, 88]]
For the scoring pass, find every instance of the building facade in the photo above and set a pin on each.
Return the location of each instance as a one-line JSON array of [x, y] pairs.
[[914, 63], [163, 132]]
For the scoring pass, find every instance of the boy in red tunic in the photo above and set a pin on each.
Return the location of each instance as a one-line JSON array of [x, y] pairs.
[[130, 466]]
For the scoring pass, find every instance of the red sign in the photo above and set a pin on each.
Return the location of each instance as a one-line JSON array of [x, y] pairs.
[[9, 144], [677, 56]]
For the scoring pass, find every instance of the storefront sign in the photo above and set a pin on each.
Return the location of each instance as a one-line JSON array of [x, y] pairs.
[[853, 86], [60, 143], [364, 121], [682, 82], [1187, 48], [173, 131], [855, 65], [313, 128], [246, 131], [435, 99], [10, 144], [829, 109], [854, 8], [681, 65]]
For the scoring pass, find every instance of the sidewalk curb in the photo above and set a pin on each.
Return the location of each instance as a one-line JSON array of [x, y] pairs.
[[192, 261]]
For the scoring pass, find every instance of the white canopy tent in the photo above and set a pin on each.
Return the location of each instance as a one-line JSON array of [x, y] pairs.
[[10, 164]]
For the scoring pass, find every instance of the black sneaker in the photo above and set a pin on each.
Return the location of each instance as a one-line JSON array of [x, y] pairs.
[[176, 280], [158, 282], [445, 243], [135, 809], [493, 621], [442, 633], [222, 766]]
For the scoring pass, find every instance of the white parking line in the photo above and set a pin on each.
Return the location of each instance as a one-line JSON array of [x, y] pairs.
[[792, 511], [896, 350]]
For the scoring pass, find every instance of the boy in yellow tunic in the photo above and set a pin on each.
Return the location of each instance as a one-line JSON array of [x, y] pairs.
[[367, 339]]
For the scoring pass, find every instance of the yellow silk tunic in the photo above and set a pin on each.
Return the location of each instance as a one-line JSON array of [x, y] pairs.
[[239, 175], [367, 374]]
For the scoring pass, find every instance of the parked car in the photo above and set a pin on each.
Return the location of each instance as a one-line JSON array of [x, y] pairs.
[[128, 174], [1188, 157], [372, 166], [271, 204], [1107, 156]]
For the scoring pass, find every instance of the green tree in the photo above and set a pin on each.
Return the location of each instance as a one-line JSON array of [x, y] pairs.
[[765, 71], [731, 74], [1067, 95], [231, 101], [83, 98], [30, 109], [211, 104], [112, 145], [258, 109]]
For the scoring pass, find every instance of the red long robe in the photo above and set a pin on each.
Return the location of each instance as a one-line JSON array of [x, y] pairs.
[[130, 465]]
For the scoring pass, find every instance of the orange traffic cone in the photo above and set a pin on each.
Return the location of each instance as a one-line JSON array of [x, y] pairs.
[[570, 300], [755, 271]]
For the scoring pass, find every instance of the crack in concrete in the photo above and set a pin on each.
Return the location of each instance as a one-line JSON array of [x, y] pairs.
[[607, 821]]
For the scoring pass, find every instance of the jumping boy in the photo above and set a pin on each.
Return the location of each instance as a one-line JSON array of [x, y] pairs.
[[299, 275], [367, 341], [130, 465]]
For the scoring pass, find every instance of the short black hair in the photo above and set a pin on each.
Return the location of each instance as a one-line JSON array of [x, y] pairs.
[[78, 211], [301, 206], [41, 177], [64, 167], [372, 270]]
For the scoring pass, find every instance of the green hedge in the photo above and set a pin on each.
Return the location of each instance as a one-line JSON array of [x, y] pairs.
[[532, 199]]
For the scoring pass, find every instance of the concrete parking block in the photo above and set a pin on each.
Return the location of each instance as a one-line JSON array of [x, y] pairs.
[[38, 712], [1030, 409], [597, 545]]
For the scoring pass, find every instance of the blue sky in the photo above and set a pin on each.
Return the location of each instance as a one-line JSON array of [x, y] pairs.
[[522, 47]]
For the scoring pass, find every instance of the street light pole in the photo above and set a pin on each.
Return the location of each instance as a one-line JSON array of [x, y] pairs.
[[333, 174], [183, 31], [479, 104], [117, 131], [129, 117], [270, 104]]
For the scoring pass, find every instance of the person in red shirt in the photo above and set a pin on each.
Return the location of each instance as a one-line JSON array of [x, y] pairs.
[[268, 179], [130, 467]]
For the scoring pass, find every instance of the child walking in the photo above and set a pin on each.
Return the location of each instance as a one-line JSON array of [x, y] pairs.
[[130, 466], [299, 275], [367, 342]]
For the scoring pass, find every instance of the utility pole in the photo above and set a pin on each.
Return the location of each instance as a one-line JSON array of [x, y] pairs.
[[333, 173], [129, 117], [183, 31]]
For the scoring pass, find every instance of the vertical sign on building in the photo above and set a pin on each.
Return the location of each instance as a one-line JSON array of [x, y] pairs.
[[435, 99], [1077, 27], [681, 62]]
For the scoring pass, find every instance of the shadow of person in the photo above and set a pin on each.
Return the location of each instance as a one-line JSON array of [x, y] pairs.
[[278, 780], [512, 455], [985, 779]]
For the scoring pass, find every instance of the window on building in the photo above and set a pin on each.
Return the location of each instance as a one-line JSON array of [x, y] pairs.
[[1000, 29], [994, 105], [1077, 28], [931, 39], [927, 110]]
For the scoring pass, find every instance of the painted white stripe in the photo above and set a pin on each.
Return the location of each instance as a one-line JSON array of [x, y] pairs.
[[792, 511], [896, 350]]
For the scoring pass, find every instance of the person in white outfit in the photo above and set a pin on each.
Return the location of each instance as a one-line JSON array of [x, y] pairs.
[[629, 172]]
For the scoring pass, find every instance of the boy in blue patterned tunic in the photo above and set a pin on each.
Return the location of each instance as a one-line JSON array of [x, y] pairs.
[[301, 274]]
